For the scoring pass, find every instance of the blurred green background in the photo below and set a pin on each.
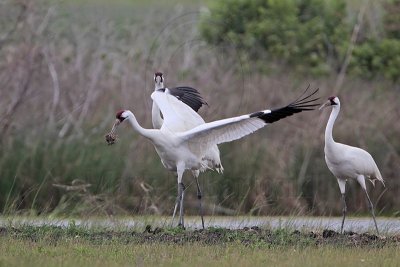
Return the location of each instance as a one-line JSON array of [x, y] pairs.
[[67, 66]]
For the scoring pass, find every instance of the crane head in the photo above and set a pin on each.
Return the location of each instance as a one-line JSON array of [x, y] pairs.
[[332, 101], [159, 80], [121, 115]]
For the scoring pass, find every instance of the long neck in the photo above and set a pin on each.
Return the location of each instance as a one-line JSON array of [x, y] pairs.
[[148, 133], [158, 85], [329, 126], [156, 117]]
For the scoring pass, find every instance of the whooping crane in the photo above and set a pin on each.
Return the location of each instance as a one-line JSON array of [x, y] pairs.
[[348, 162], [186, 150]]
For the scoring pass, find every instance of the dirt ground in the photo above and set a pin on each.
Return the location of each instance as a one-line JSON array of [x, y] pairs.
[[211, 236]]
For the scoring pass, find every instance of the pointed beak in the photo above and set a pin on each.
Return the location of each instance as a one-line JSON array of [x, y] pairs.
[[158, 80], [326, 104]]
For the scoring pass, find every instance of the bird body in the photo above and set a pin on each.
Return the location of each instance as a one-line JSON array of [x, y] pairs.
[[167, 145], [348, 162], [184, 117], [193, 149]]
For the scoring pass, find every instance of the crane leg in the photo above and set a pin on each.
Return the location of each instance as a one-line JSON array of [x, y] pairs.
[[361, 181], [342, 186], [175, 208], [182, 194], [180, 168], [371, 208], [179, 201], [344, 211], [179, 198], [199, 196]]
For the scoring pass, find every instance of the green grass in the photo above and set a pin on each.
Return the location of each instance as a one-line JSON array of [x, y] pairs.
[[80, 246], [78, 252]]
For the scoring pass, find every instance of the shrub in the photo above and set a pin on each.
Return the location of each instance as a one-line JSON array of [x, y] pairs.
[[392, 19], [375, 58], [309, 35], [305, 33]]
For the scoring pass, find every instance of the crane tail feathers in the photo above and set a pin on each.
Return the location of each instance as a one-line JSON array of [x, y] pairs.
[[373, 181], [220, 169]]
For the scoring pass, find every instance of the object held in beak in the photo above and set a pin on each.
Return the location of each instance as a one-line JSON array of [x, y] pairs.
[[111, 137]]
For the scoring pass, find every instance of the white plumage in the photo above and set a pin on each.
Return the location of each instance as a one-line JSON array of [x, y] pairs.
[[188, 95], [348, 162], [182, 150], [183, 104], [156, 118]]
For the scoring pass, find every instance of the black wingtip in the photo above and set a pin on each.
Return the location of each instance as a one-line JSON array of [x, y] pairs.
[[302, 103]]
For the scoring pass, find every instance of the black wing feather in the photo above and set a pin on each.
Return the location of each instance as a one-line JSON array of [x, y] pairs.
[[188, 95], [303, 103]]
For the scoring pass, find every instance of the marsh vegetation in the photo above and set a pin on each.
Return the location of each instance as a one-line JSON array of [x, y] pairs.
[[66, 67]]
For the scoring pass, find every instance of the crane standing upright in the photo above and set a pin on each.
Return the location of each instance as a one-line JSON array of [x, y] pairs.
[[348, 162]]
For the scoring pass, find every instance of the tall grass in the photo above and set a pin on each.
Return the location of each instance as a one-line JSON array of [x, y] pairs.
[[66, 68]]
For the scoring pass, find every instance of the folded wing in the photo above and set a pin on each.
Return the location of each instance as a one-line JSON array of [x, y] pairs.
[[178, 116], [188, 95]]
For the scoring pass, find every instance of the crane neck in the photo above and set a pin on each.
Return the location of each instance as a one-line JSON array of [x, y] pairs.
[[148, 133], [156, 116], [158, 85], [331, 122]]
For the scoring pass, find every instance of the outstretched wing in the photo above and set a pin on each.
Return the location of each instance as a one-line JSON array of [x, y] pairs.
[[227, 130]]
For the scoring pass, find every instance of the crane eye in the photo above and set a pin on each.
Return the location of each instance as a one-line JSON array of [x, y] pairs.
[[160, 76]]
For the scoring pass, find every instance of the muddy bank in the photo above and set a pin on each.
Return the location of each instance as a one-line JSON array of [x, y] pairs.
[[388, 226], [211, 236], [257, 236]]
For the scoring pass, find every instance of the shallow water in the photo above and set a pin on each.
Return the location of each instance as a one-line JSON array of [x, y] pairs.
[[356, 224]]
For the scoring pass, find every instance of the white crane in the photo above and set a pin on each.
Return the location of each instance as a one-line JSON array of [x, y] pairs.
[[186, 150], [189, 97], [348, 162]]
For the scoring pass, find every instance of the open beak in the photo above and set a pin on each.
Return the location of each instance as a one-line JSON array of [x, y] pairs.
[[326, 104]]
